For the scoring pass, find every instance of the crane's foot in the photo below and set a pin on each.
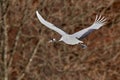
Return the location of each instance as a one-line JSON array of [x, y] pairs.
[[83, 46]]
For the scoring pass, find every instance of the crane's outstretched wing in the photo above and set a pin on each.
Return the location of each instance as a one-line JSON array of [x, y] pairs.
[[49, 25], [99, 22]]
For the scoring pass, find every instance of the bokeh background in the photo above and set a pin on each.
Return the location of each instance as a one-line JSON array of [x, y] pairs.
[[25, 53]]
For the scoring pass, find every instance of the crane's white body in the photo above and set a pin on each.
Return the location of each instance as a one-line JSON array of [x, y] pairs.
[[68, 39], [73, 38]]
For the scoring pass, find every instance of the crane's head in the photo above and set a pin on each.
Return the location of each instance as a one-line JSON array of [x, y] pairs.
[[52, 40]]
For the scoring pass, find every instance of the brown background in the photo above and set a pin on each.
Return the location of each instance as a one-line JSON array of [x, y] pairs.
[[25, 53]]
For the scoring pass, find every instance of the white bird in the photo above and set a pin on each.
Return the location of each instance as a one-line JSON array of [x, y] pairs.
[[75, 38]]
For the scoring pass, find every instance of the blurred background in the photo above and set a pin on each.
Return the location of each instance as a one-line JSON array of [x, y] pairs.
[[25, 53]]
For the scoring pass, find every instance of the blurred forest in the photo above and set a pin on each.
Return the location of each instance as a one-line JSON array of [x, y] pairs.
[[25, 53]]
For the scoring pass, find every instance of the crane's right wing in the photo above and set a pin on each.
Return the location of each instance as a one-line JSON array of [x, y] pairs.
[[49, 25], [99, 22]]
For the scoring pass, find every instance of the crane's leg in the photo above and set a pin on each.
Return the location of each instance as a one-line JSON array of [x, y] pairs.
[[83, 46]]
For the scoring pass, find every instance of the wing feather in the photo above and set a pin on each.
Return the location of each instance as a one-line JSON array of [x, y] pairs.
[[49, 25], [99, 22]]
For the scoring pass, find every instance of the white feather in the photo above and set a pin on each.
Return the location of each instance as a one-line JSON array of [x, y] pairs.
[[99, 22], [49, 25]]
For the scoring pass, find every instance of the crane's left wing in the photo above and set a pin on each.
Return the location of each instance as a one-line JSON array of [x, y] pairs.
[[99, 22], [49, 25]]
